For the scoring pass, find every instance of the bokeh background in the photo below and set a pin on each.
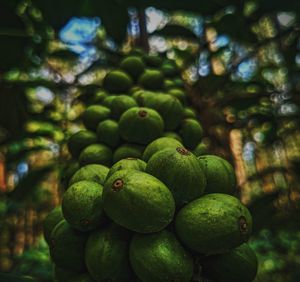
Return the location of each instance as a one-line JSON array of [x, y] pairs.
[[241, 64]]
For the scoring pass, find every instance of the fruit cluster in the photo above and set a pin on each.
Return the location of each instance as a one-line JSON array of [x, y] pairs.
[[146, 202]]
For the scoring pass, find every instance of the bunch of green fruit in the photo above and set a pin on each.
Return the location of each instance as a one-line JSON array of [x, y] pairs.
[[143, 202]]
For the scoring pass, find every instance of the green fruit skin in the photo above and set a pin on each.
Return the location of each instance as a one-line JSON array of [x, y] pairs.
[[138, 128], [169, 70], [99, 97], [169, 107], [158, 145], [108, 133], [151, 79], [214, 223], [191, 132], [173, 135], [133, 65], [92, 172], [128, 163], [106, 254], [67, 247], [152, 61], [180, 95], [117, 81], [181, 173], [128, 151], [80, 140], [239, 264], [82, 205], [121, 104], [107, 102], [160, 257], [51, 220], [189, 113], [201, 149], [96, 154], [93, 115], [219, 173], [142, 204], [67, 173]]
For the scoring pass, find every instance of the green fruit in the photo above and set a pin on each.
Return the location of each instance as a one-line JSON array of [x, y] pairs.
[[134, 89], [107, 102], [239, 264], [138, 201], [93, 115], [117, 81], [178, 82], [151, 79], [201, 149], [133, 65], [92, 172], [179, 94], [96, 154], [106, 254], [141, 125], [158, 145], [180, 171], [99, 97], [51, 220], [62, 275], [219, 173], [189, 113], [82, 205], [173, 135], [169, 70], [67, 173], [160, 257], [214, 223], [108, 133], [191, 132], [78, 141], [128, 151], [170, 109], [168, 84], [152, 61], [128, 163], [67, 247], [121, 104]]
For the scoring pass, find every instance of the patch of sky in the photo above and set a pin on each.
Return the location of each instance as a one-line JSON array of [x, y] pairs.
[[156, 19], [204, 66], [246, 69], [78, 34]]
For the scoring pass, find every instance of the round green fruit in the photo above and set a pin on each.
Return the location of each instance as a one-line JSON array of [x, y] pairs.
[[138, 201], [92, 172], [80, 140], [189, 113], [219, 173], [121, 104], [169, 84], [82, 205], [179, 94], [93, 115], [201, 149], [151, 79], [191, 132], [67, 173], [133, 65], [160, 257], [51, 220], [158, 145], [108, 133], [170, 109], [169, 70], [141, 125], [239, 264], [96, 154], [106, 254], [117, 81], [128, 151], [99, 97], [214, 223], [180, 171], [107, 102], [128, 163], [67, 247], [174, 135], [152, 61]]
